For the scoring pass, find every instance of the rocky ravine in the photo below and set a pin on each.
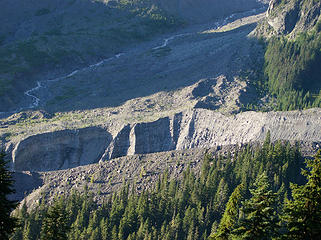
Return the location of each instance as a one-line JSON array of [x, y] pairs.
[[293, 17], [197, 128]]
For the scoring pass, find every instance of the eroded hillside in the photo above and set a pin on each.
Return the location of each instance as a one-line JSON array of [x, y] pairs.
[[185, 130], [125, 100], [48, 39], [45, 39]]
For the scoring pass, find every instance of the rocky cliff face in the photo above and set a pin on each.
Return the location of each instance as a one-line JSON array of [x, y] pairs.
[[204, 10], [60, 150], [293, 17], [198, 128]]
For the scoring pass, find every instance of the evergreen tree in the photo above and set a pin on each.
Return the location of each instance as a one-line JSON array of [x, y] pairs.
[[55, 224], [231, 215], [221, 196], [176, 209], [7, 223], [302, 215], [260, 220]]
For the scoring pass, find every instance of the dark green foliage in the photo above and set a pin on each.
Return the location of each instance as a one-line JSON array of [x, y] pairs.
[[7, 223], [257, 217], [55, 223], [231, 215], [260, 217], [302, 214], [29, 51], [292, 68], [175, 209], [2, 39]]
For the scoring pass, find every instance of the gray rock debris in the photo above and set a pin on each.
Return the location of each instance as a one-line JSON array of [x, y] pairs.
[[198, 128], [60, 150], [293, 17]]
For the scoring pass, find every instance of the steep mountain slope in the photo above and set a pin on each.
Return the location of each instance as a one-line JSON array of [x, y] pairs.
[[187, 59], [142, 170], [186, 130], [292, 59], [44, 39], [293, 17], [115, 101], [204, 10], [172, 64]]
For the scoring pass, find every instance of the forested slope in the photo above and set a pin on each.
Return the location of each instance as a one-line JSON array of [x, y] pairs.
[[292, 73], [293, 70], [190, 208]]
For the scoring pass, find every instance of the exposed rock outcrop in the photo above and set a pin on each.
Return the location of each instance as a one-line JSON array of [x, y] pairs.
[[198, 128], [108, 177], [293, 17], [60, 150]]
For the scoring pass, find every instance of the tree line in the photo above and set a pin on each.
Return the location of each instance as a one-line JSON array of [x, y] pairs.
[[254, 192], [292, 70]]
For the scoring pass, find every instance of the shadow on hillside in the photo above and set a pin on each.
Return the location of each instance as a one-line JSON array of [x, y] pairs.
[[25, 183], [182, 63], [61, 36]]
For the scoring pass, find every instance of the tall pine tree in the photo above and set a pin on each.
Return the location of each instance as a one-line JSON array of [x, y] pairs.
[[260, 218], [302, 214], [230, 216], [7, 223], [55, 225]]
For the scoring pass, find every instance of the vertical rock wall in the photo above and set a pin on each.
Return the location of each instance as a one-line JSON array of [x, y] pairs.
[[198, 128], [60, 150]]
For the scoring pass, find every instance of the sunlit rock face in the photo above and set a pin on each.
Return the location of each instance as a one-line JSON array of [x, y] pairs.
[[293, 17], [198, 128]]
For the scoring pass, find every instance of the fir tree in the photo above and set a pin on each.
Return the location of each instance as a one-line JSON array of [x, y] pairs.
[[55, 224], [221, 196], [176, 208], [260, 220], [231, 215], [7, 223], [302, 215]]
